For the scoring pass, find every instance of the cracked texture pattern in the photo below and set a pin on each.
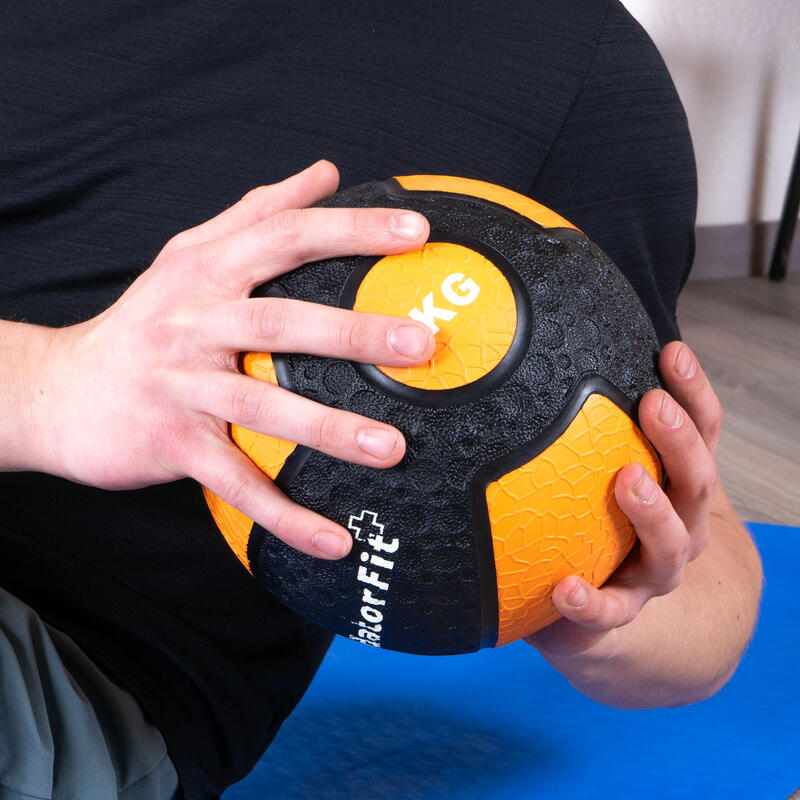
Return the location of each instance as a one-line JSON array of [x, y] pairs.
[[557, 515]]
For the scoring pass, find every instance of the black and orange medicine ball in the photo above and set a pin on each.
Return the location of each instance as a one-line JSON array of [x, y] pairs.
[[515, 429]]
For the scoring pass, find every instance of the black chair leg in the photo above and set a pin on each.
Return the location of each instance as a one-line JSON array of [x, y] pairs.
[[791, 205]]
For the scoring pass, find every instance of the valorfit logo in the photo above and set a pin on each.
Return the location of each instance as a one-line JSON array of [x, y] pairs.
[[373, 575]]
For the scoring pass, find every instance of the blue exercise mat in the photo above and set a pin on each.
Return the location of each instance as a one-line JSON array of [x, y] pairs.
[[503, 725]]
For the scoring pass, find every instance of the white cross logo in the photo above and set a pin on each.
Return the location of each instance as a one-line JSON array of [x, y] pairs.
[[358, 530]]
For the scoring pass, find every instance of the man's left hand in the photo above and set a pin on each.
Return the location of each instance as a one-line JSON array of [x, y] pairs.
[[672, 524]]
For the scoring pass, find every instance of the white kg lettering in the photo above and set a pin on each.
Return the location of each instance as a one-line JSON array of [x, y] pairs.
[[465, 292]]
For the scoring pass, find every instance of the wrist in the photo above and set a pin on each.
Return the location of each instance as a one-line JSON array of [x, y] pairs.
[[25, 398]]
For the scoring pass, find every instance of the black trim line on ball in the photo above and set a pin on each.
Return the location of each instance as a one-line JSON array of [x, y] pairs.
[[291, 468], [298, 457], [484, 548], [440, 398]]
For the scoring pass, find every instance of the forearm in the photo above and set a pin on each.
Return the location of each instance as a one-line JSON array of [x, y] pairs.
[[22, 352], [682, 646]]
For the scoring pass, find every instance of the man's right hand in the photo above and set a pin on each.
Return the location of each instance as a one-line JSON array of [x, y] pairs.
[[143, 393]]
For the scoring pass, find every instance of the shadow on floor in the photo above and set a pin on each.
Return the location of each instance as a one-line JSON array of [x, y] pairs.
[[390, 752]]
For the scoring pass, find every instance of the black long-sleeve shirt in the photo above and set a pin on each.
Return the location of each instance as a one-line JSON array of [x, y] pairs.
[[124, 123]]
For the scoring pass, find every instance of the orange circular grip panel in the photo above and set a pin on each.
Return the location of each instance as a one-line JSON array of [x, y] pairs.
[[487, 191], [269, 453], [461, 294], [557, 516]]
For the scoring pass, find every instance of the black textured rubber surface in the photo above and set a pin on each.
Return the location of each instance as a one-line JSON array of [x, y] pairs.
[[585, 319]]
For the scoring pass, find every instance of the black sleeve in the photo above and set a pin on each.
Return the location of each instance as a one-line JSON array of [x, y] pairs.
[[622, 167]]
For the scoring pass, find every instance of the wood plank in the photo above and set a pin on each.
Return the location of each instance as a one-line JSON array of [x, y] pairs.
[[746, 333]]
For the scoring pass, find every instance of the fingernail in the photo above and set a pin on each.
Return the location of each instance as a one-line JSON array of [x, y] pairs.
[[408, 340], [407, 226], [669, 414], [685, 363], [330, 543], [645, 489], [577, 596], [377, 442]]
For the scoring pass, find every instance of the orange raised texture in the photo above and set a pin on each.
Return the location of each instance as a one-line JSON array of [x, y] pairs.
[[269, 453], [461, 295], [486, 191], [557, 516]]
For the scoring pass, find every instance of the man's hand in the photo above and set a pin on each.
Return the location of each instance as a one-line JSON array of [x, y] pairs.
[[612, 627], [143, 393]]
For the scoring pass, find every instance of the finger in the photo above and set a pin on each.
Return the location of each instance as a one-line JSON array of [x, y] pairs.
[[228, 473], [665, 546], [598, 609], [298, 191], [690, 466], [688, 384], [286, 240], [294, 326], [664, 550], [272, 410]]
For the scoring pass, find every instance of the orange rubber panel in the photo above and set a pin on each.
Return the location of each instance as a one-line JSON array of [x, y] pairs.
[[487, 191], [461, 295], [557, 516], [269, 453]]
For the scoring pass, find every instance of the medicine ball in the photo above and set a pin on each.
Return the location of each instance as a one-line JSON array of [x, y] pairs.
[[514, 430]]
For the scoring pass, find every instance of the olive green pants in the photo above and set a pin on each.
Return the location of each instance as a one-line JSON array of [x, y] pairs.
[[66, 731]]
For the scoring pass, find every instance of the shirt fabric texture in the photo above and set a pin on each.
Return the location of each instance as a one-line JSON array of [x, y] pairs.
[[126, 123]]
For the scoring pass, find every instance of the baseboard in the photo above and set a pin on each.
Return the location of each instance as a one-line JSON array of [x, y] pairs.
[[733, 251]]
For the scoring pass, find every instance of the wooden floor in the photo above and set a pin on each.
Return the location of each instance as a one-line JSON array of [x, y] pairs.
[[746, 333]]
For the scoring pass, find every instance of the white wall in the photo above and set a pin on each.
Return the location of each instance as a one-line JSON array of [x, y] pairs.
[[736, 64]]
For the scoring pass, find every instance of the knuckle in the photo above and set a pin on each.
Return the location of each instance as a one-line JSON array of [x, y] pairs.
[[176, 243], [284, 229], [707, 398], [257, 200], [201, 446], [706, 489], [675, 556], [360, 224], [195, 264], [352, 336], [162, 334], [627, 616], [177, 261], [266, 320], [714, 426], [322, 431], [246, 404], [629, 608], [235, 488], [282, 525], [670, 583]]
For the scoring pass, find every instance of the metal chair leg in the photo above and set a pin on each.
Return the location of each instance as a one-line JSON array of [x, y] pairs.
[[791, 205]]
